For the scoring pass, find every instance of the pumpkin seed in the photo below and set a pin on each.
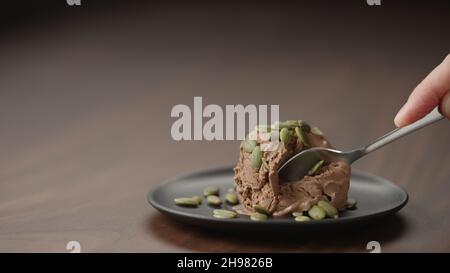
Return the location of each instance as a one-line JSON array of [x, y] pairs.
[[286, 124], [351, 203], [186, 201], [211, 191], [329, 209], [223, 213], [256, 157], [302, 218], [256, 216], [301, 136], [297, 213], [316, 167], [316, 131], [231, 190], [213, 200], [198, 199], [231, 198], [285, 136], [260, 209], [248, 145], [292, 123], [317, 213], [221, 216]]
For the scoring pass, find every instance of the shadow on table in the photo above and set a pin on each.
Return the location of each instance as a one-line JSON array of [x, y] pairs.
[[193, 238]]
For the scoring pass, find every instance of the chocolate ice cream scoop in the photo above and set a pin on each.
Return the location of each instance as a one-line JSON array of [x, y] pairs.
[[256, 175]]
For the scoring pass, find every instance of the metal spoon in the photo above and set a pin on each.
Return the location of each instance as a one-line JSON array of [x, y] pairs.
[[298, 166]]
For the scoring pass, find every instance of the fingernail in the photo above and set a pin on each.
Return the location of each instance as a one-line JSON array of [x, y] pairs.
[[398, 120], [445, 106]]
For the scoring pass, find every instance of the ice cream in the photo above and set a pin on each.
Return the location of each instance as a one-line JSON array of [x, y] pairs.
[[256, 174]]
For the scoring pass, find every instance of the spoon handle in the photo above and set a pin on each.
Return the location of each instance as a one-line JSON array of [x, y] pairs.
[[400, 132]]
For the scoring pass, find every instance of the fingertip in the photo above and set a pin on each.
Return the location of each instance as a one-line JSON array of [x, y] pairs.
[[399, 119], [397, 122], [444, 106], [400, 122]]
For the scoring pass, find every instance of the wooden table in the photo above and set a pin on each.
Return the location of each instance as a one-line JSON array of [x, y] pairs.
[[85, 100]]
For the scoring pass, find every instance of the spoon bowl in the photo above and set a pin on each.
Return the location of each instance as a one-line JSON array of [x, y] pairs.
[[299, 165]]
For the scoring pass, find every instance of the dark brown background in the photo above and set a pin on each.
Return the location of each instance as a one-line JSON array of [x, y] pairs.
[[86, 94]]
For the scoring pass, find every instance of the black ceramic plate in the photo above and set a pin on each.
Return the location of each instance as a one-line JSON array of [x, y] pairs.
[[376, 198]]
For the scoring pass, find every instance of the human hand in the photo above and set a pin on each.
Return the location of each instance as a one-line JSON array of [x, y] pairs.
[[433, 91]]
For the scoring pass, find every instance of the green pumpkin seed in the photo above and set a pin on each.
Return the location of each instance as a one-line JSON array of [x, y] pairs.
[[198, 199], [351, 203], [256, 157], [285, 136], [231, 198], [260, 209], [222, 213], [213, 200], [301, 136], [248, 145], [317, 213], [291, 123], [316, 167], [302, 218], [316, 131], [221, 216], [211, 191], [297, 213], [329, 209], [286, 124], [186, 201], [256, 216], [231, 190]]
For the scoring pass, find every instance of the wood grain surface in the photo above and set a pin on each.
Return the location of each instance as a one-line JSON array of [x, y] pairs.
[[85, 102]]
